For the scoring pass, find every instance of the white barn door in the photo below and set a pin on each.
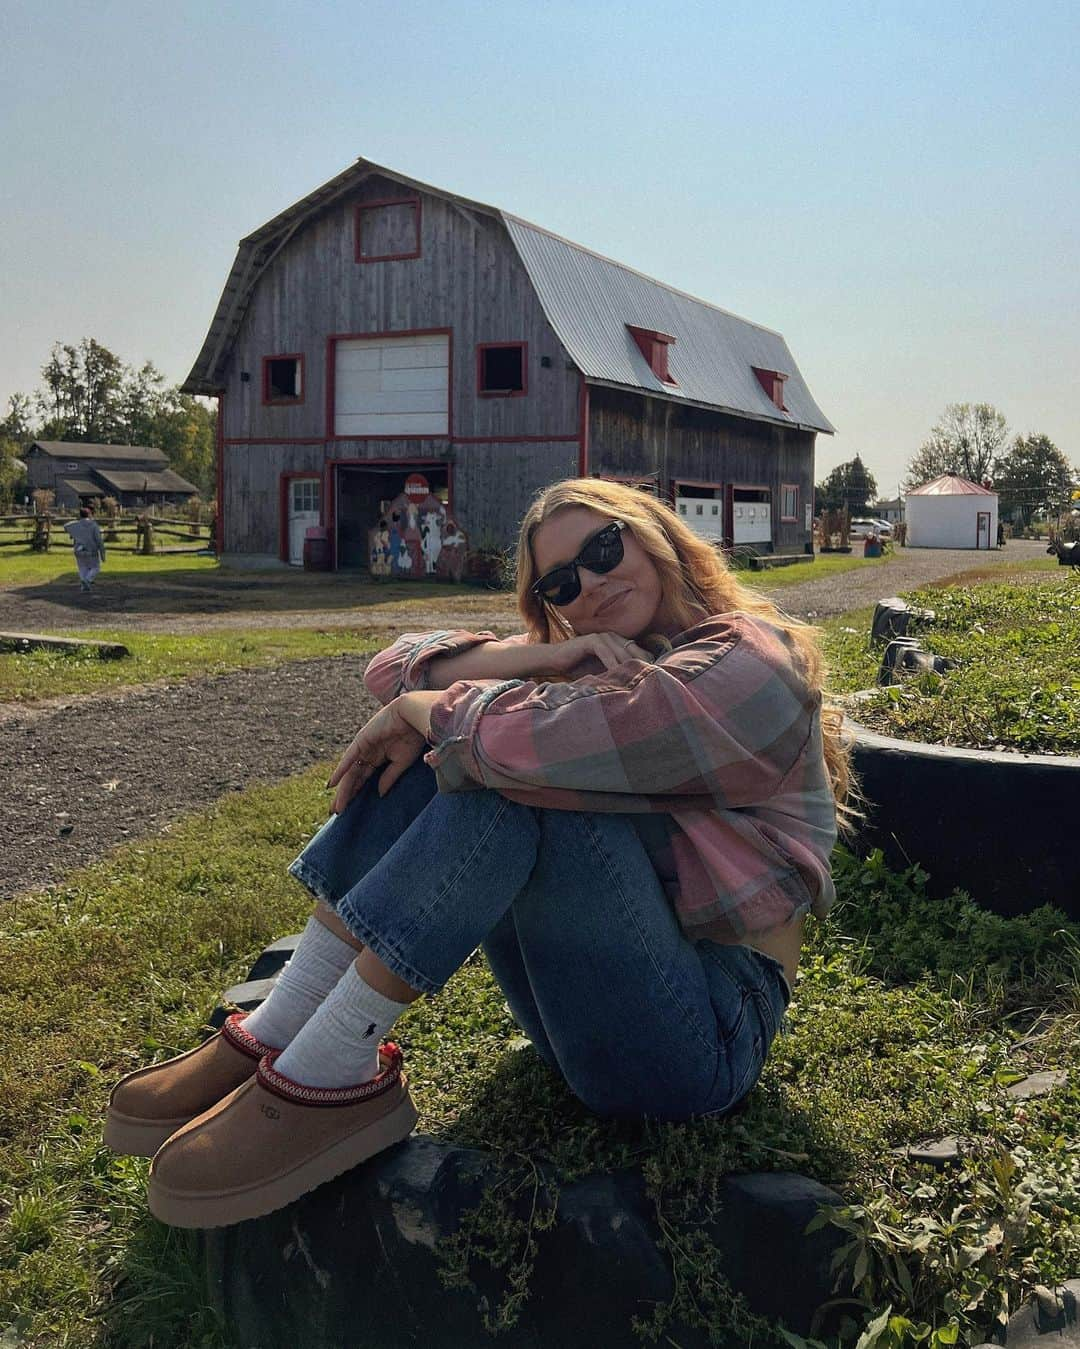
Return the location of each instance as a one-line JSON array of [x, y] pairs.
[[392, 386], [303, 511]]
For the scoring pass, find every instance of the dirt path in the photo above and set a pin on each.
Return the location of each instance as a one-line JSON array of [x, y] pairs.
[[192, 602], [94, 771], [82, 774]]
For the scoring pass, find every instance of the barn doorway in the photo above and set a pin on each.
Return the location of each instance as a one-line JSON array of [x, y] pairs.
[[303, 510], [701, 506], [751, 516], [359, 493]]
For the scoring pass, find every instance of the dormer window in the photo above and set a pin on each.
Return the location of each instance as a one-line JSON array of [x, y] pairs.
[[654, 347], [772, 381]]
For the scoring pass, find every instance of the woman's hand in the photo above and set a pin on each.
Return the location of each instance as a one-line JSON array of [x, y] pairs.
[[607, 647], [392, 737]]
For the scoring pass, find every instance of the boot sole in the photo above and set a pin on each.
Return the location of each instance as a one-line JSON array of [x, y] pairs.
[[222, 1210], [138, 1138]]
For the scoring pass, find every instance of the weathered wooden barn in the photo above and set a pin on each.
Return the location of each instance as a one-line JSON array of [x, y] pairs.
[[382, 328], [135, 475]]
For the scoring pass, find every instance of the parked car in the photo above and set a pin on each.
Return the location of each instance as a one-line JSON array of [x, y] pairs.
[[865, 525]]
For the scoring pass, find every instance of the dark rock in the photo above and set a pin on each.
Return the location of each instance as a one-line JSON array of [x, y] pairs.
[[1038, 1084], [893, 617], [1049, 1318], [782, 1272], [274, 957], [939, 1152], [246, 997], [354, 1263]]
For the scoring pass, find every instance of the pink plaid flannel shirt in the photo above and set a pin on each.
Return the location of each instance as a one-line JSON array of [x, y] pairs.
[[721, 734]]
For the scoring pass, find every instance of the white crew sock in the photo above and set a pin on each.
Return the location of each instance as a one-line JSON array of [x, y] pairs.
[[320, 959], [339, 1046]]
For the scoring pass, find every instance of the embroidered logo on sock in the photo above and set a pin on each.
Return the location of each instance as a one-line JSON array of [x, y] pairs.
[[369, 1032]]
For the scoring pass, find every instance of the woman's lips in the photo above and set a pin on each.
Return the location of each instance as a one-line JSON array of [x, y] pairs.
[[610, 603]]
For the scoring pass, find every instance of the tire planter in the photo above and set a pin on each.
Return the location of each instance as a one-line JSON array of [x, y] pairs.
[[999, 825]]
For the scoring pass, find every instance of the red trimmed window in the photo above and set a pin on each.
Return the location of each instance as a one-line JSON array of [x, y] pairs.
[[388, 230], [654, 347], [772, 381], [502, 369], [789, 501], [283, 379]]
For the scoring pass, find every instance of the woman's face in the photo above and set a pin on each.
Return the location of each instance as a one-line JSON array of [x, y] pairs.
[[625, 601]]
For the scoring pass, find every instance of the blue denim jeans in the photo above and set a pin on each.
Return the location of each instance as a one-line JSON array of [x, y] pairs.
[[577, 930]]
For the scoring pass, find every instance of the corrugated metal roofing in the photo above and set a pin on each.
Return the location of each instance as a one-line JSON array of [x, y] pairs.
[[68, 449], [949, 485], [589, 300], [168, 481]]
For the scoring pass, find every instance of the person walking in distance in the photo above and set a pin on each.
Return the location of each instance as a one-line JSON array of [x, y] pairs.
[[89, 546], [630, 806]]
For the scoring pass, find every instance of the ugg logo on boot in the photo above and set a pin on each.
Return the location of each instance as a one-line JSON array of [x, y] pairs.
[[270, 1112]]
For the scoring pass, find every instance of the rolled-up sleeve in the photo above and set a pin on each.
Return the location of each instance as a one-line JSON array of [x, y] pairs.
[[723, 720], [403, 667]]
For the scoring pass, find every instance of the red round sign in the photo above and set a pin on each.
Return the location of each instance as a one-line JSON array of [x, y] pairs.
[[416, 487]]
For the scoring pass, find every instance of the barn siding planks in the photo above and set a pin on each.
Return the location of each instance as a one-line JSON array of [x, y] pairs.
[[468, 278], [631, 435], [492, 483]]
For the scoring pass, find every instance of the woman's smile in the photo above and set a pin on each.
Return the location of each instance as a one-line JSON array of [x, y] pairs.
[[625, 599], [610, 603]]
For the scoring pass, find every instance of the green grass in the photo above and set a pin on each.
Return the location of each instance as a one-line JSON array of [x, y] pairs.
[[1015, 684], [911, 1018], [19, 566], [777, 578], [37, 674]]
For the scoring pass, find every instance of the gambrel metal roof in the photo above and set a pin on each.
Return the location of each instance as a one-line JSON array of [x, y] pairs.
[[588, 299]]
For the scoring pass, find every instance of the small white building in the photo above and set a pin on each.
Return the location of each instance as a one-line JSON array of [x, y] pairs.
[[951, 512]]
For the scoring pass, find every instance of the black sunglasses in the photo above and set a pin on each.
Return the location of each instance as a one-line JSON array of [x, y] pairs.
[[600, 553]]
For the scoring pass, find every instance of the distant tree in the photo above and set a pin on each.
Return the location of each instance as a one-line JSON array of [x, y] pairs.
[[83, 393], [966, 440], [1033, 476], [850, 484], [18, 424], [185, 429], [11, 472]]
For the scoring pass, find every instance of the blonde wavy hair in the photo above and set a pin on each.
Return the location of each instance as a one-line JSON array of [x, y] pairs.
[[694, 579]]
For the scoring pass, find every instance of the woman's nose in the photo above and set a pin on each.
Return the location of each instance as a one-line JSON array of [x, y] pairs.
[[590, 581]]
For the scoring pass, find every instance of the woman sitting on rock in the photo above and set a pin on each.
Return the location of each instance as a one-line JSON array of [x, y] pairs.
[[631, 807]]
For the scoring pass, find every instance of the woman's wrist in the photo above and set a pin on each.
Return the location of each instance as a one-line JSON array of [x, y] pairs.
[[415, 709]]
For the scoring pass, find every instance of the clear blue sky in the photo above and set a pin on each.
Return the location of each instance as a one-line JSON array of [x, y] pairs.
[[894, 187]]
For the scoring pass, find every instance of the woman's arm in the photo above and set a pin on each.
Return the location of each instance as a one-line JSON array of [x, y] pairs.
[[722, 720], [435, 660], [403, 666]]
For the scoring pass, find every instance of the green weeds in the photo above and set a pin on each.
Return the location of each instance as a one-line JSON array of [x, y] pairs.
[[910, 1021], [1015, 686]]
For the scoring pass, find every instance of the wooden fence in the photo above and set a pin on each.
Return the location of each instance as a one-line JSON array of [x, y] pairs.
[[124, 533]]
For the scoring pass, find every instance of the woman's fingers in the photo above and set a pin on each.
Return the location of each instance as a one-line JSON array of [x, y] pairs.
[[613, 650], [349, 785]]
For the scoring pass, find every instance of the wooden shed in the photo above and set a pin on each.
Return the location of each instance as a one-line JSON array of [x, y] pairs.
[[135, 475], [381, 329]]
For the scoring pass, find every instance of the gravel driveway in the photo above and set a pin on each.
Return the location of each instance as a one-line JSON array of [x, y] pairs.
[[85, 773]]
